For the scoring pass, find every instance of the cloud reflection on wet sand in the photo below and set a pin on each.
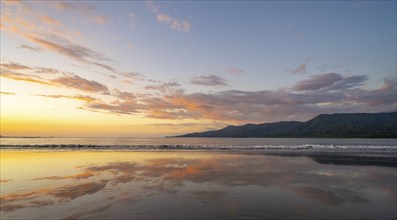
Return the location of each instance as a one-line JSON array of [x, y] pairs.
[[216, 180]]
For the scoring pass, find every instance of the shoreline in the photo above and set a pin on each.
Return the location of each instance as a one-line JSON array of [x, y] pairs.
[[341, 156]]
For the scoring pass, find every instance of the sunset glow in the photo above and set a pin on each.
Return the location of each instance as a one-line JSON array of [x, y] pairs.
[[148, 68]]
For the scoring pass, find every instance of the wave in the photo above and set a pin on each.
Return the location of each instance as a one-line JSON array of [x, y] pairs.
[[307, 147]]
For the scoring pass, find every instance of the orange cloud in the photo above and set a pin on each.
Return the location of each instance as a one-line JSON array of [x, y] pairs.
[[84, 175], [67, 80], [23, 77], [77, 97], [23, 20], [49, 20], [253, 106], [73, 6], [7, 93], [234, 70]]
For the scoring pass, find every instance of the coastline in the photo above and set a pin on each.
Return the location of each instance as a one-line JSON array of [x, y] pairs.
[[339, 156]]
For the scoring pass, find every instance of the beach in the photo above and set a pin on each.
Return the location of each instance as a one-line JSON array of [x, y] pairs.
[[196, 184]]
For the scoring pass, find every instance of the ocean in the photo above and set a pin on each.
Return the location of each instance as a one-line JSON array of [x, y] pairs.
[[197, 143], [197, 178]]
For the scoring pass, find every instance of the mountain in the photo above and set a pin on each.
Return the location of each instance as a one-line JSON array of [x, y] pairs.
[[345, 125]]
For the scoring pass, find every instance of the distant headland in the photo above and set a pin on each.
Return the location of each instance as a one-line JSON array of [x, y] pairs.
[[339, 125]]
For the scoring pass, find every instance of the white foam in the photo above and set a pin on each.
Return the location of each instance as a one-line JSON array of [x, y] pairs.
[[304, 147]]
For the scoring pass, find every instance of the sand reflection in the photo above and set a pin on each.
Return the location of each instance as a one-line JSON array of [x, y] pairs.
[[131, 184]]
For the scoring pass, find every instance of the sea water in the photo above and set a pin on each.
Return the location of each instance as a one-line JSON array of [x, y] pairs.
[[191, 143]]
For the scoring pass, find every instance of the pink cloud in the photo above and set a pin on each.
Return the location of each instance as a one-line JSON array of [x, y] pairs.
[[302, 68], [234, 70], [163, 18], [173, 22], [101, 19]]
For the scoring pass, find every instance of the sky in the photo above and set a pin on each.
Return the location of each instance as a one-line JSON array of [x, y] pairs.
[[158, 68]]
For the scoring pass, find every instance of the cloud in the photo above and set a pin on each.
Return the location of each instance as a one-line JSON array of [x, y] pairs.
[[14, 66], [104, 66], [330, 81], [74, 81], [50, 34], [174, 23], [83, 98], [7, 93], [181, 25], [68, 80], [165, 87], [299, 69], [133, 75], [49, 20], [78, 176], [23, 46], [101, 19], [234, 70], [319, 94], [75, 6], [210, 80], [349, 82], [318, 82], [74, 51], [119, 107], [63, 5], [183, 126], [163, 18], [386, 94], [11, 2], [23, 77], [46, 70], [258, 106], [152, 6], [389, 85], [302, 68]]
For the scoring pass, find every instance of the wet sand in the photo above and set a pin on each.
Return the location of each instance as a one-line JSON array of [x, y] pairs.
[[197, 185]]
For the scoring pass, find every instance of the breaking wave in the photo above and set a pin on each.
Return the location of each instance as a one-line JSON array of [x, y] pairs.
[[304, 147]]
